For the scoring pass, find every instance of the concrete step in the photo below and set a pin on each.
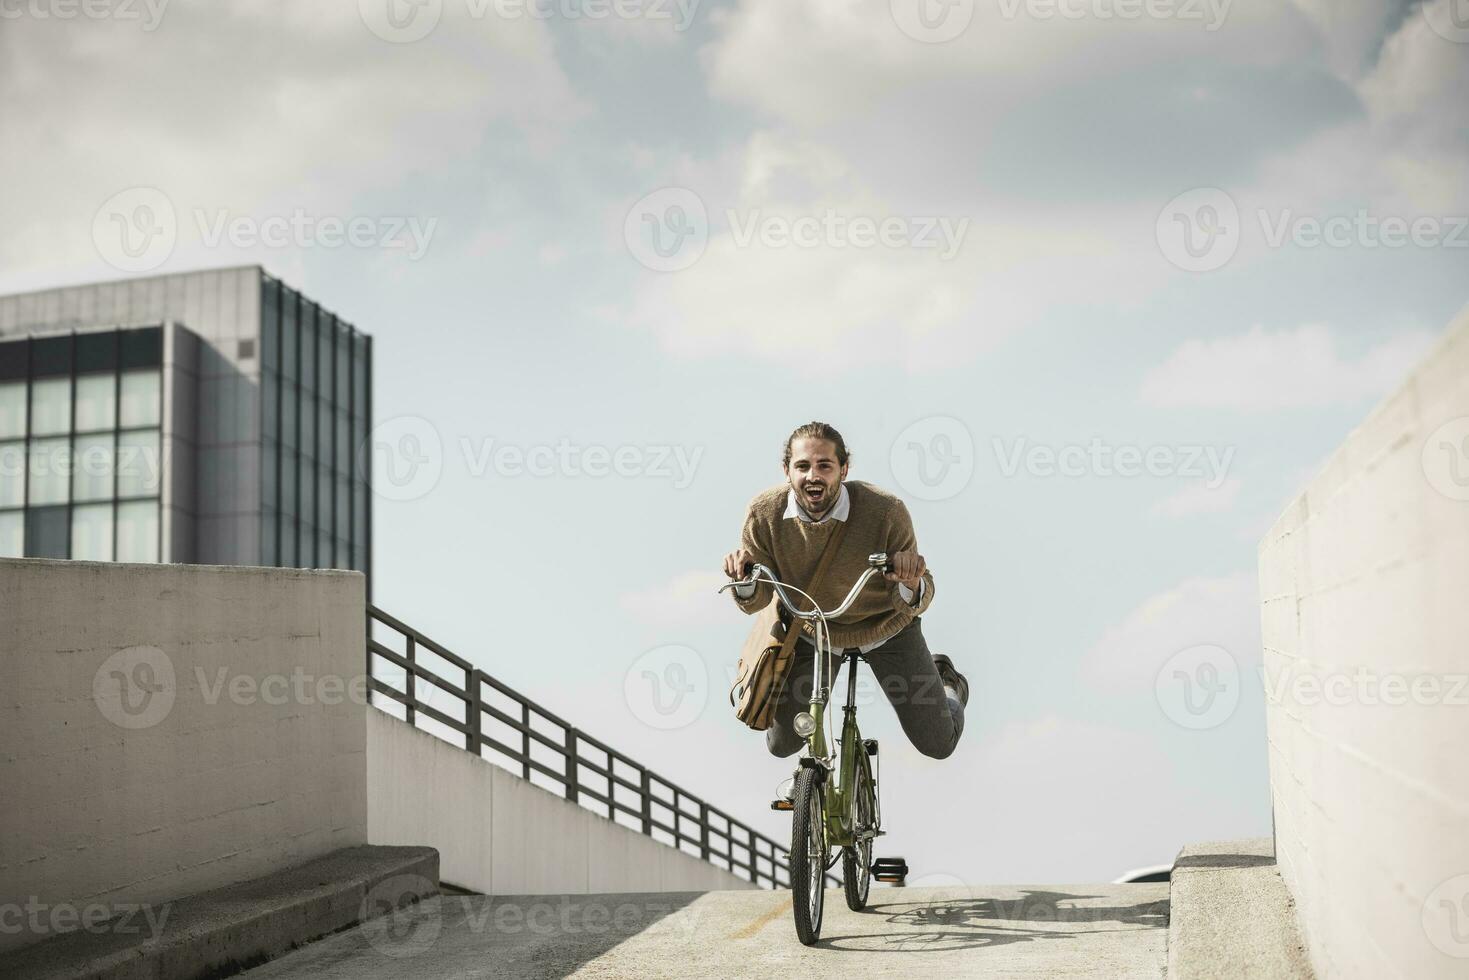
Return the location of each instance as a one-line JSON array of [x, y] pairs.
[[225, 931], [1232, 916]]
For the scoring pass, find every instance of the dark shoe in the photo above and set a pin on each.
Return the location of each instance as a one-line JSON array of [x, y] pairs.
[[952, 678]]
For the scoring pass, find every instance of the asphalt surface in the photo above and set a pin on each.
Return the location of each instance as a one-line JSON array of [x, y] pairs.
[[992, 931]]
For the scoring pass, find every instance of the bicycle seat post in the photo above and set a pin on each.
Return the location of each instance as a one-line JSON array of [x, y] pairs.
[[853, 657]]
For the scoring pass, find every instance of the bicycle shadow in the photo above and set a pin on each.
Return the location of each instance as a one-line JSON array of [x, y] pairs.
[[975, 923]]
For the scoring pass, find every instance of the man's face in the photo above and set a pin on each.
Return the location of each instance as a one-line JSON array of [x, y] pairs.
[[815, 474]]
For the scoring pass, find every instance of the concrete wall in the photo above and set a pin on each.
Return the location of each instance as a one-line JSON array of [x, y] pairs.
[[1365, 604], [128, 773], [500, 834]]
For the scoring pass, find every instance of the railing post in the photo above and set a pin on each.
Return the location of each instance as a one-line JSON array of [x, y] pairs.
[[703, 831], [472, 706], [408, 686], [525, 737], [367, 650], [571, 764], [647, 804]]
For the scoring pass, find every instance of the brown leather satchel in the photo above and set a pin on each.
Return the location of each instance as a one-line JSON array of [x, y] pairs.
[[770, 651]]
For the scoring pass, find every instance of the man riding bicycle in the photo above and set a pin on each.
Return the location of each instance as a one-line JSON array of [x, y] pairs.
[[787, 528]]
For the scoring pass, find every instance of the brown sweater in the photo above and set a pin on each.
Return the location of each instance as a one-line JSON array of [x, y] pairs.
[[791, 548]]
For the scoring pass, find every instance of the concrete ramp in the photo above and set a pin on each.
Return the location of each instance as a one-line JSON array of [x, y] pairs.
[[1041, 931]]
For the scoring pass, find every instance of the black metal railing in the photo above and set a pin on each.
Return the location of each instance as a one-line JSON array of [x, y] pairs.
[[587, 771]]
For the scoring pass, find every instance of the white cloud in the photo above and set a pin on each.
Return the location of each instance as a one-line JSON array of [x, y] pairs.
[[1200, 498], [1264, 370], [1406, 153], [980, 276], [1198, 611], [255, 109], [688, 599], [826, 60]]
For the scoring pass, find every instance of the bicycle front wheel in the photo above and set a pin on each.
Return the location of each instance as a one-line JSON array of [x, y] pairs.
[[808, 855]]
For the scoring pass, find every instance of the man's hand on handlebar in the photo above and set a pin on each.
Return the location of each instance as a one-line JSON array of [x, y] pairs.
[[737, 564], [906, 567]]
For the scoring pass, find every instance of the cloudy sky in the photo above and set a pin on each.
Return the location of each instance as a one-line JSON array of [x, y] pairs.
[[1095, 284]]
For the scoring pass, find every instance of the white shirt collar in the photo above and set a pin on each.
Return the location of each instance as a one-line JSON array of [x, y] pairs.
[[838, 512]]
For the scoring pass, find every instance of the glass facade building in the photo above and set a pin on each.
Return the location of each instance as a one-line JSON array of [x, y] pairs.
[[80, 445], [207, 417]]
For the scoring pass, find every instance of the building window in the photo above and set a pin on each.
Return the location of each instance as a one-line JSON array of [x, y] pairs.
[[137, 531], [47, 532], [12, 534], [140, 398], [51, 406], [96, 405], [50, 471], [93, 462], [12, 474], [139, 464], [91, 532], [12, 409]]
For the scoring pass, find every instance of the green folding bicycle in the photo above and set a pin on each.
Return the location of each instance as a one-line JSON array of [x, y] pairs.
[[833, 795]]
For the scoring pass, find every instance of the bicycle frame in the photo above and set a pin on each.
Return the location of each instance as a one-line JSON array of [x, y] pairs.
[[841, 810], [839, 774]]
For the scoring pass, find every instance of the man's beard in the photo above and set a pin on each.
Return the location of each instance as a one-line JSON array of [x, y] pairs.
[[818, 506]]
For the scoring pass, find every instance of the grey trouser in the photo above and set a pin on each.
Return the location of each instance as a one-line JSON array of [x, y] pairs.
[[904, 670]]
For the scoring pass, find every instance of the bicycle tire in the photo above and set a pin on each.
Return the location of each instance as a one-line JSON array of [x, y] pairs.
[[808, 818], [857, 859]]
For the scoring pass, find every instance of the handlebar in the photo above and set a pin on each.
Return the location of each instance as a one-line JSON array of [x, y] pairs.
[[876, 563]]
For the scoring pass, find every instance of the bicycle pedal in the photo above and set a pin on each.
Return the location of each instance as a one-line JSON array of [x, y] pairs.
[[782, 805], [871, 746], [893, 870]]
